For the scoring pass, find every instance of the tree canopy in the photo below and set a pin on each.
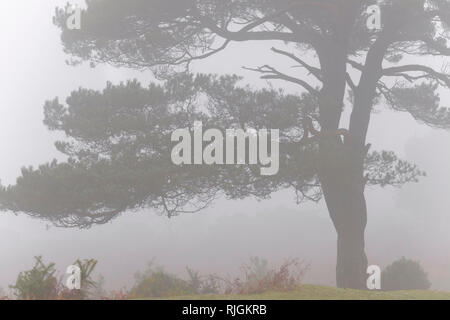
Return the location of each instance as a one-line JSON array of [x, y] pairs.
[[119, 145]]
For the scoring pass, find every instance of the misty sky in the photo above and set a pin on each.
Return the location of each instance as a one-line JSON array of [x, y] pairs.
[[413, 221]]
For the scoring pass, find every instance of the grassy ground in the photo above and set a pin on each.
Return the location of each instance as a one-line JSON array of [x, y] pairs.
[[312, 292]]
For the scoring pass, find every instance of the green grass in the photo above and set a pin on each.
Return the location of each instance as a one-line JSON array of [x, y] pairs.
[[313, 292]]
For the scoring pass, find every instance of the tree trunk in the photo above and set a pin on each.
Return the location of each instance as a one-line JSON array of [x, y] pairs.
[[343, 181], [341, 162], [341, 174]]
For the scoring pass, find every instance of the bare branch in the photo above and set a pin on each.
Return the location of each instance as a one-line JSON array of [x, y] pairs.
[[313, 70], [272, 73]]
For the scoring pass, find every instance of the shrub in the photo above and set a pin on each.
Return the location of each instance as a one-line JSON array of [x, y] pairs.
[[87, 267], [99, 292], [404, 274], [162, 284], [39, 283], [155, 282], [259, 278], [203, 284]]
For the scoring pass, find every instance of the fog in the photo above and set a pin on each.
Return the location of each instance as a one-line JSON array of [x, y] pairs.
[[412, 221]]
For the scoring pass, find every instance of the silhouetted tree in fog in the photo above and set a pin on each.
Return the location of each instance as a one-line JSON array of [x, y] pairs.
[[119, 139]]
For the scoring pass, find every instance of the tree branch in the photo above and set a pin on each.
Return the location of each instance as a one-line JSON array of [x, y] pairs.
[[313, 70], [429, 73], [272, 73], [355, 65], [350, 82]]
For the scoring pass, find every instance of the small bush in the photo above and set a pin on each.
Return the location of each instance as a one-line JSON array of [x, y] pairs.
[[404, 274], [39, 283], [162, 284], [99, 291], [88, 285], [157, 283], [259, 278], [203, 284]]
